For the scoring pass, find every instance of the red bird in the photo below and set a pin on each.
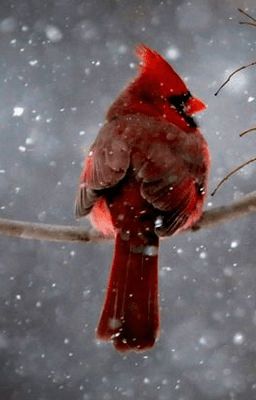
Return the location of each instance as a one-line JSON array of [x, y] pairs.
[[144, 177]]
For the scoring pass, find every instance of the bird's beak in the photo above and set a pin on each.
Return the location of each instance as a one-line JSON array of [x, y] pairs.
[[194, 105]]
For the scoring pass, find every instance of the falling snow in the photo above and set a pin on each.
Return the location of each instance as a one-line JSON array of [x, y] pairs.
[[18, 111], [53, 33], [172, 53], [62, 65], [238, 338], [33, 62], [22, 149], [250, 99]]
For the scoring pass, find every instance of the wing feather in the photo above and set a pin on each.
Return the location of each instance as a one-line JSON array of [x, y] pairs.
[[105, 166], [168, 184]]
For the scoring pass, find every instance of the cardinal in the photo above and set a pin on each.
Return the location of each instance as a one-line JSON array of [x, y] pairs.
[[145, 177]]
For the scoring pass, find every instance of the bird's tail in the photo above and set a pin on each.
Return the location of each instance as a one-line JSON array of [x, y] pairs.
[[130, 315]]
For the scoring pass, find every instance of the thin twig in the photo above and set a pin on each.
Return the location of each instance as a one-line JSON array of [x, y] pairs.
[[232, 74], [247, 23], [247, 131], [246, 14], [232, 173], [58, 233]]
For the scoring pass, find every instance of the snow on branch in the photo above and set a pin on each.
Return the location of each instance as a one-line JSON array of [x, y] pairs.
[[59, 233]]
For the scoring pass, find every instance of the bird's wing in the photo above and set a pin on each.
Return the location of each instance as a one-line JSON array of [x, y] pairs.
[[170, 185], [105, 166]]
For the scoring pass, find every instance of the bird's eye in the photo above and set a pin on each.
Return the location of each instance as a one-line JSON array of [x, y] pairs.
[[179, 101]]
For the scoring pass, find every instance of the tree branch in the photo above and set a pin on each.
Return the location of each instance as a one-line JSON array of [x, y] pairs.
[[58, 233], [241, 166], [246, 14], [232, 74]]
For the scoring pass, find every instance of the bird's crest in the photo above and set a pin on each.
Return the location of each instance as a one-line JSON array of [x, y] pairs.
[[154, 65]]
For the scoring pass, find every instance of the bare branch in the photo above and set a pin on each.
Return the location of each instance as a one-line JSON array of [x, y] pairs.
[[58, 233], [227, 213], [232, 173], [246, 14], [247, 23], [232, 74], [247, 131], [53, 233]]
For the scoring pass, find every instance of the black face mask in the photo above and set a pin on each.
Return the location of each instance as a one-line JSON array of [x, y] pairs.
[[179, 102]]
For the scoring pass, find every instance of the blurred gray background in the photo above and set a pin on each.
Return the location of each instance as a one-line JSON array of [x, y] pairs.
[[62, 63]]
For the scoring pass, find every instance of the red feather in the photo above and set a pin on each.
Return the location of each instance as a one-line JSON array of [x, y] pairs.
[[145, 177]]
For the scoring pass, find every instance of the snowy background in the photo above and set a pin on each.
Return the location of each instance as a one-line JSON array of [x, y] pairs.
[[62, 63]]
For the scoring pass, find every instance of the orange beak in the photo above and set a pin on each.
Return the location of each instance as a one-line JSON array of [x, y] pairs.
[[194, 105]]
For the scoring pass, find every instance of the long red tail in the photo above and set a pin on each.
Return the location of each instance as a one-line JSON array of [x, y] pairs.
[[130, 316]]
